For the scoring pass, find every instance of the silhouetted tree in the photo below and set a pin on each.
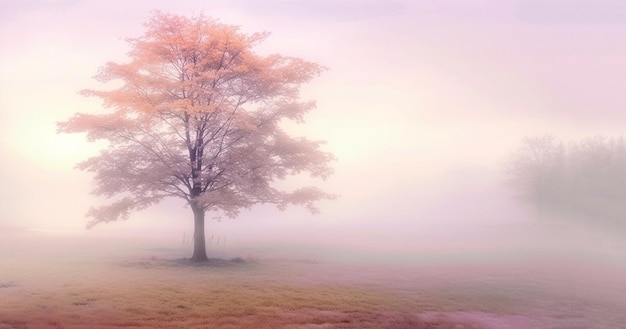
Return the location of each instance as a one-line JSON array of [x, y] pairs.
[[535, 170], [586, 179]]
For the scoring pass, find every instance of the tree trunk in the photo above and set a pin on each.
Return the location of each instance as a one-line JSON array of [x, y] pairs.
[[199, 245]]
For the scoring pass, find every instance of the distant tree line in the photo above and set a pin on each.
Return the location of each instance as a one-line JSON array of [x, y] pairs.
[[585, 179]]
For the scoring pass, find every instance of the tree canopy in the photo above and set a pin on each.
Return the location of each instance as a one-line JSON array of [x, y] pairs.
[[198, 117], [585, 179]]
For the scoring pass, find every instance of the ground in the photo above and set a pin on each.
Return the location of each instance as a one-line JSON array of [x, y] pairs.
[[156, 289]]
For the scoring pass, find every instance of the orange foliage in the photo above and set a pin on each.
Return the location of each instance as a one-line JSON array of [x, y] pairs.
[[197, 117]]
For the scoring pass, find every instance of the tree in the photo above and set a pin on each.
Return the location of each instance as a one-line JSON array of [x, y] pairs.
[[198, 117], [535, 169], [584, 181]]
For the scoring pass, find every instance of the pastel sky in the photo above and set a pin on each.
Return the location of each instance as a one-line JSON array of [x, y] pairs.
[[422, 103]]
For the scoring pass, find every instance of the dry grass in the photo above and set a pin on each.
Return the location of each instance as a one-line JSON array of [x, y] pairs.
[[153, 293]]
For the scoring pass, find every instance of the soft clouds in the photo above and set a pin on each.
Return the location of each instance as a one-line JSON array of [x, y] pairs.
[[322, 10], [593, 12], [12, 9]]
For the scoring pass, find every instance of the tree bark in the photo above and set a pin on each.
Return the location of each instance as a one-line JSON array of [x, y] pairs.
[[199, 244]]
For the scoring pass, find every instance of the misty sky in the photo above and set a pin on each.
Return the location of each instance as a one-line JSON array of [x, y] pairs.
[[421, 104]]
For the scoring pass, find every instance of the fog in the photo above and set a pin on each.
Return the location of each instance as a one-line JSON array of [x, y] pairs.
[[422, 104]]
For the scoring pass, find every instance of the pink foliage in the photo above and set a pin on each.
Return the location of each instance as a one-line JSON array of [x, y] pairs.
[[197, 117]]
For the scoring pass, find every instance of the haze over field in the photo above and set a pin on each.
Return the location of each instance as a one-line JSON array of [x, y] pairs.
[[422, 102], [426, 105]]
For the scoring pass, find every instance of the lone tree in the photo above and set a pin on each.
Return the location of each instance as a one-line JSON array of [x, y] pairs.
[[198, 117]]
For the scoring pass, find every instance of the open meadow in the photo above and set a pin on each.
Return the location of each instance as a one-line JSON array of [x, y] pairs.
[[312, 164], [61, 284]]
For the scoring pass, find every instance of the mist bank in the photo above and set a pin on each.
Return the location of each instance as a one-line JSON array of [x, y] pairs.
[[507, 244]]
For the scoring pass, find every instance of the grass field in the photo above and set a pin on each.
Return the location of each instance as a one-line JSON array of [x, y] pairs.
[[58, 287]]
